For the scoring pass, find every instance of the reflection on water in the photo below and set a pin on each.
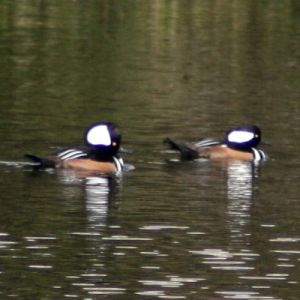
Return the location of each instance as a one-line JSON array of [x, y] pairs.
[[240, 177], [166, 259], [97, 192]]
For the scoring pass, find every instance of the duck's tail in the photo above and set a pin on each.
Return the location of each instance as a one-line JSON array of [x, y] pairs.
[[40, 163], [186, 152]]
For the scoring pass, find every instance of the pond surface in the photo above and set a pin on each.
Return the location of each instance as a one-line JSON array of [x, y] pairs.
[[166, 230]]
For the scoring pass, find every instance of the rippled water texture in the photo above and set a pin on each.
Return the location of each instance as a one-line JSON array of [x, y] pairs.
[[166, 230]]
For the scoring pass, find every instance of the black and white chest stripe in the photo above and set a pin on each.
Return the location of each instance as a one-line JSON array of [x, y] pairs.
[[258, 154], [119, 163]]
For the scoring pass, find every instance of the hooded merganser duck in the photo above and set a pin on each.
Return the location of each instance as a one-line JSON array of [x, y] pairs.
[[240, 143], [101, 154]]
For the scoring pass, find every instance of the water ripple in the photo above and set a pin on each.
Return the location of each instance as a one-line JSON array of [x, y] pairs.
[[224, 260], [267, 277], [163, 227], [104, 291], [286, 251], [125, 238], [41, 267], [151, 293], [35, 238], [244, 295], [285, 240], [162, 283], [153, 253]]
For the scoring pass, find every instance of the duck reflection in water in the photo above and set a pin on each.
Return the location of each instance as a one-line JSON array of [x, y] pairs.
[[237, 152], [97, 166], [241, 178], [238, 155], [99, 193]]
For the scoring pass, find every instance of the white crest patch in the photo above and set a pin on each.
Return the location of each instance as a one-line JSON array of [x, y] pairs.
[[99, 135], [240, 136]]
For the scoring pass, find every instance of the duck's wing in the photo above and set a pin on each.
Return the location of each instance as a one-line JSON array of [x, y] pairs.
[[186, 152], [72, 153], [66, 154], [206, 142]]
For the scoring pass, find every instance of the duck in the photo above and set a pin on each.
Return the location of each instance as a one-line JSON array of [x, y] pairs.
[[102, 142], [240, 143]]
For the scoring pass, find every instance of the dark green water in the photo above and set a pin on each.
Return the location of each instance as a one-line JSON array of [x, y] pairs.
[[185, 69]]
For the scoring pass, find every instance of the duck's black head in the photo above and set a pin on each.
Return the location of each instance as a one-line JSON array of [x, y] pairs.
[[103, 138], [243, 138]]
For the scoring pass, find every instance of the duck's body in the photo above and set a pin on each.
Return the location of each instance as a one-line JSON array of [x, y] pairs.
[[81, 163], [239, 144], [100, 156], [88, 165], [88, 160]]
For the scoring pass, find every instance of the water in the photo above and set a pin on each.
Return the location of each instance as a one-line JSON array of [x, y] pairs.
[[166, 230]]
